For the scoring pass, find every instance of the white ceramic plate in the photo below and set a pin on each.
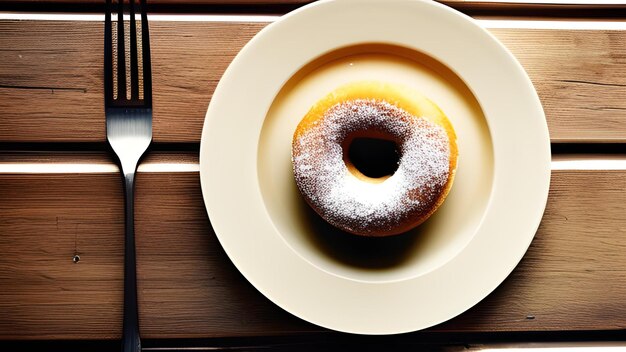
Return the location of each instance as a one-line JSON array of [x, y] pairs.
[[360, 285]]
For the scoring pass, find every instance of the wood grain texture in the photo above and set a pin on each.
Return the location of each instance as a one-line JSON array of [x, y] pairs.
[[580, 76], [574, 259], [490, 4], [190, 3], [45, 220], [45, 295], [504, 6], [60, 86], [572, 278]]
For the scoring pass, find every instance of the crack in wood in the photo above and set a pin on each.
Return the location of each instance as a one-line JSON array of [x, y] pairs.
[[52, 89], [604, 108], [591, 83]]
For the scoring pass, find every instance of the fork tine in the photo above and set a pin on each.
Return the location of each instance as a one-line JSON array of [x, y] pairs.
[[134, 74], [145, 44], [108, 56], [121, 57]]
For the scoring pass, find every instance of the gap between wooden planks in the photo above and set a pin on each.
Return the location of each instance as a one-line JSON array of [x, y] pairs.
[[580, 76], [572, 277]]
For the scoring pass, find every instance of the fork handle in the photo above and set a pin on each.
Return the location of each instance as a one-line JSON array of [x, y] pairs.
[[130, 330]]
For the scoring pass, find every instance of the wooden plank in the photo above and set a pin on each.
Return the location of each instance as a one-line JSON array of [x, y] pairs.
[[465, 4], [572, 278], [45, 220], [580, 76], [166, 2], [573, 260], [45, 295], [504, 7], [59, 83]]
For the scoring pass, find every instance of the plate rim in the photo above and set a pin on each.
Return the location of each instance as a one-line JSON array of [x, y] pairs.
[[215, 197]]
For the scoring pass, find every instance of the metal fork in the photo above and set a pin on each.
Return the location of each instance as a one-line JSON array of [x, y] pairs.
[[129, 132]]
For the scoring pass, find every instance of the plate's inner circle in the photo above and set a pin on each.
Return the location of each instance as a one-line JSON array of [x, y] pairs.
[[401, 257]]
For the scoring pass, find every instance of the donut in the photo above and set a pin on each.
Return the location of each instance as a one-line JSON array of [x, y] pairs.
[[374, 206]]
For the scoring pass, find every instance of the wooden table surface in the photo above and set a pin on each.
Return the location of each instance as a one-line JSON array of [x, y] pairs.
[[61, 194]]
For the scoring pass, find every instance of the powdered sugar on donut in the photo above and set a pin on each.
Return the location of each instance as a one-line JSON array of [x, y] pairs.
[[362, 207]]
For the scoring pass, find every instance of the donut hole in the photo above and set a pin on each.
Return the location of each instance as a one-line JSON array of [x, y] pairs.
[[370, 158]]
